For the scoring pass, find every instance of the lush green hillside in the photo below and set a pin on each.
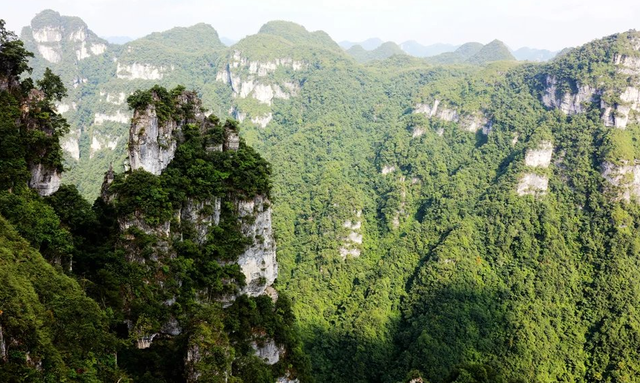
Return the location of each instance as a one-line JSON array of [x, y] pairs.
[[460, 223], [494, 51]]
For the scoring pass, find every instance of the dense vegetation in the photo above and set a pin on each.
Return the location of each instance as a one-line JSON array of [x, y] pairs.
[[404, 246], [84, 293]]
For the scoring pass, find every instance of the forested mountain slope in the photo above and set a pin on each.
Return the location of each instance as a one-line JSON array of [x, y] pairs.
[[467, 222], [166, 278]]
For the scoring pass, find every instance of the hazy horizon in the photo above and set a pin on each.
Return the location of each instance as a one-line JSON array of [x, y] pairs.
[[545, 24]]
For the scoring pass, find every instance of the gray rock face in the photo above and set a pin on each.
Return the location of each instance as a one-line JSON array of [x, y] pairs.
[[268, 351], [540, 156], [533, 184], [620, 113], [258, 262], [625, 177], [568, 103], [3, 346], [44, 180], [152, 146], [202, 214]]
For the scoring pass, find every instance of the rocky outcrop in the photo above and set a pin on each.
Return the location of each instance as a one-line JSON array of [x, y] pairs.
[[258, 262], [287, 379], [539, 157], [44, 180], [268, 351], [152, 145], [118, 116], [627, 110], [533, 184], [625, 178], [435, 111], [388, 169], [61, 35], [255, 79], [71, 144], [619, 113], [417, 132], [569, 103], [352, 242], [468, 122], [262, 121], [202, 215], [474, 122], [140, 71]]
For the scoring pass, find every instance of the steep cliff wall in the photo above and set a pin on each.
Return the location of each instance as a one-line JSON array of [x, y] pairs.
[[189, 195]]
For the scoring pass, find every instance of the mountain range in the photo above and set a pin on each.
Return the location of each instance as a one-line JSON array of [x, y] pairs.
[[416, 49], [464, 217]]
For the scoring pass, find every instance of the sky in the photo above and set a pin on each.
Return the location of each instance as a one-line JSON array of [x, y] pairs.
[[548, 24]]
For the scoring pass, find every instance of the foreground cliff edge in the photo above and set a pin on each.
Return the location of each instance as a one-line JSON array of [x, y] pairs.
[[168, 277]]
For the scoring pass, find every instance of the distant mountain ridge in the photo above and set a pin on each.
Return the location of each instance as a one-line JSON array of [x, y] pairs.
[[414, 48], [384, 51]]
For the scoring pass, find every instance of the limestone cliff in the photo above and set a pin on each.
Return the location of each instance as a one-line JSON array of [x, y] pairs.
[[616, 95], [163, 123], [256, 80]]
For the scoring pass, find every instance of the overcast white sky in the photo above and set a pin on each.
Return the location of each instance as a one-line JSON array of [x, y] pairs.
[[550, 24]]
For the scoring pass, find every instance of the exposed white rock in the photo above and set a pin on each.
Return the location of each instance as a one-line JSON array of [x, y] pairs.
[[279, 93], [45, 181], [344, 252], [3, 346], [51, 54], [262, 121], [47, 34], [151, 146], [539, 157], [139, 71], [434, 111], [82, 52], [263, 93], [99, 142], [287, 379], [618, 116], [62, 108], [244, 77], [417, 132], [626, 177], [70, 145], [78, 35], [117, 99], [354, 238], [269, 351], [119, 116], [98, 49], [568, 103], [388, 169], [356, 225], [474, 122], [515, 138], [258, 262], [533, 184], [627, 64], [145, 341]]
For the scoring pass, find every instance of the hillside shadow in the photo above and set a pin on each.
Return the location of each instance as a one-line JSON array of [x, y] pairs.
[[452, 331]]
